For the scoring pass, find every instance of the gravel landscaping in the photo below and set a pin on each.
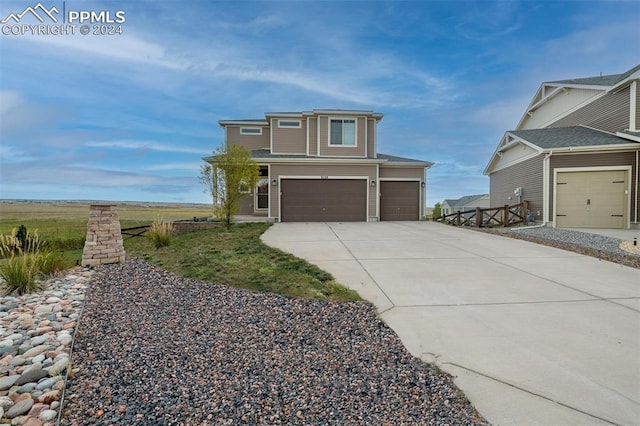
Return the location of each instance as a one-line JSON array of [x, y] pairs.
[[154, 348], [602, 247]]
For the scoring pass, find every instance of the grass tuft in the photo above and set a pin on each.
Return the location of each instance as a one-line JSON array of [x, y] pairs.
[[160, 233], [21, 274]]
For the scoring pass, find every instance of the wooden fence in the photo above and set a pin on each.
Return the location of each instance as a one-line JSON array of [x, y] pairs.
[[496, 216]]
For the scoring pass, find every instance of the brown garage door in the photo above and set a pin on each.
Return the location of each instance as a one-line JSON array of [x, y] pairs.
[[399, 200], [323, 200]]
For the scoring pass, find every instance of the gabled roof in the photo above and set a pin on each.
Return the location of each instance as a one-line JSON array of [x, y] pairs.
[[604, 84], [464, 201], [601, 80], [565, 137]]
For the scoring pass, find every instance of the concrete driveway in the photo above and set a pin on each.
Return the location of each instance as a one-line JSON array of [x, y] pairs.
[[533, 334]]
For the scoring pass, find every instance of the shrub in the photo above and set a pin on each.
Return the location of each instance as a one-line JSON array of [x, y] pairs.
[[160, 233]]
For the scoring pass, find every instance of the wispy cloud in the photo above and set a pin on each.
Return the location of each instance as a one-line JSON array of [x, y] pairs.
[[146, 146]]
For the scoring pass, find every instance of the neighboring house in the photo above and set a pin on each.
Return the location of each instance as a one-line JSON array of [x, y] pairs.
[[466, 203], [575, 154], [323, 165]]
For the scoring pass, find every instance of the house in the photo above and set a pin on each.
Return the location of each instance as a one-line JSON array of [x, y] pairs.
[[574, 155], [466, 203], [323, 165]]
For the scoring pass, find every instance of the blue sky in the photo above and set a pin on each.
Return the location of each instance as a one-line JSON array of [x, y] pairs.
[[128, 117]]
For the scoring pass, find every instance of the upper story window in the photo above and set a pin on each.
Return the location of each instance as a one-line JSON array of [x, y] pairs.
[[250, 130], [342, 131], [290, 124]]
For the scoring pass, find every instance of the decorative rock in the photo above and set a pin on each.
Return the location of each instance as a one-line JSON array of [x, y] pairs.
[[37, 409], [34, 344], [8, 381], [38, 340], [35, 351], [49, 397], [43, 309], [48, 415], [6, 402], [32, 421], [59, 366], [49, 383], [27, 387], [31, 376], [20, 408]]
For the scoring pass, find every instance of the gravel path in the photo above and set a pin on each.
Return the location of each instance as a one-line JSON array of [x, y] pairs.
[[153, 348]]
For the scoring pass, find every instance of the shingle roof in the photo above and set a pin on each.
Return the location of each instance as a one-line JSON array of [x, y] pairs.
[[565, 137], [266, 154], [463, 201], [394, 159], [601, 80]]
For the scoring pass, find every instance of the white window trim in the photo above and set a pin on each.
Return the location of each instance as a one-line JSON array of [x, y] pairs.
[[355, 119], [298, 126], [242, 131]]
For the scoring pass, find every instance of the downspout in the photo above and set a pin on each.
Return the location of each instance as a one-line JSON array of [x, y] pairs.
[[637, 182], [546, 167], [545, 195]]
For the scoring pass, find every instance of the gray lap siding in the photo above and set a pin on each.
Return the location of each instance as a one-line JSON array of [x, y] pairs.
[[527, 175]]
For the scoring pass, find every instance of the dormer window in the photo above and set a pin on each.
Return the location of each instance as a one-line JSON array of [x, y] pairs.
[[290, 124], [342, 131], [250, 130]]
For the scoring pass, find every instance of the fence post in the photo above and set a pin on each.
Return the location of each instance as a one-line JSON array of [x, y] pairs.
[[505, 216], [525, 213], [478, 217], [458, 218]]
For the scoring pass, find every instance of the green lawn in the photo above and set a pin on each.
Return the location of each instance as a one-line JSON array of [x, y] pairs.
[[237, 257]]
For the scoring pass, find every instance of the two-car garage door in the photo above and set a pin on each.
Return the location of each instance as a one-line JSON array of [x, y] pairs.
[[591, 199], [323, 200], [343, 200]]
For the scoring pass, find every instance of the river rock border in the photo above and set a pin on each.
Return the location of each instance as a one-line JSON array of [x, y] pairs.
[[36, 337]]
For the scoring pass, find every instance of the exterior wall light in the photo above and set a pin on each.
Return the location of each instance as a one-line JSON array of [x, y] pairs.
[[373, 183], [423, 184], [274, 182]]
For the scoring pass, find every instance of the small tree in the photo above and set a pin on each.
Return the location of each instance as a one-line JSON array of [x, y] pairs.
[[230, 174], [437, 211]]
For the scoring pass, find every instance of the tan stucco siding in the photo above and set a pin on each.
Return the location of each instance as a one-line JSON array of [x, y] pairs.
[[546, 113], [596, 160], [312, 122], [360, 150], [322, 170], [527, 175], [288, 140], [249, 142], [609, 113], [401, 172]]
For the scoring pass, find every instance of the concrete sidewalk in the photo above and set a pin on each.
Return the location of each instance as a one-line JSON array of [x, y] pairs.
[[534, 334]]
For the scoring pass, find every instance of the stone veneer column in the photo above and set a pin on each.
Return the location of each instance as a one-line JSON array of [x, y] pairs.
[[104, 240]]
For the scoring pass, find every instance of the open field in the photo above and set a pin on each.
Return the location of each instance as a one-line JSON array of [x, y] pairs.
[[68, 220]]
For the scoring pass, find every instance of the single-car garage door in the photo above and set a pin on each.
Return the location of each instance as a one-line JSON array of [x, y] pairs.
[[323, 200], [596, 199], [399, 200]]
